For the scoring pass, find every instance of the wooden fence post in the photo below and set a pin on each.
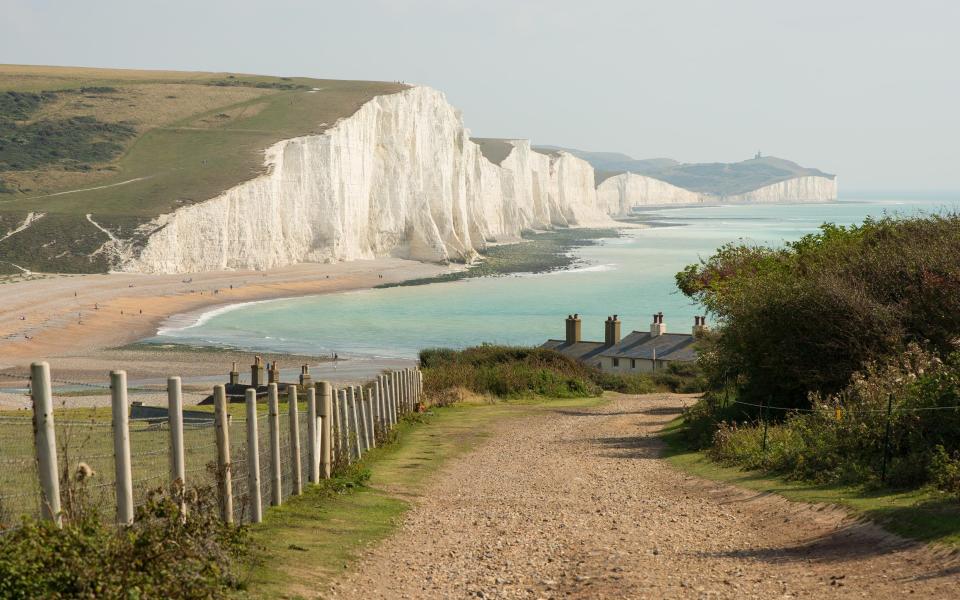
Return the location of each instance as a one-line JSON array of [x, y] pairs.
[[121, 447], [336, 429], [178, 469], [46, 441], [224, 477], [326, 428], [313, 449], [372, 413], [295, 463], [273, 420], [344, 435], [253, 458], [354, 421], [364, 419]]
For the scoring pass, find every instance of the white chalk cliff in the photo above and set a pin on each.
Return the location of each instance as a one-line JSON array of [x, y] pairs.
[[621, 193], [401, 177]]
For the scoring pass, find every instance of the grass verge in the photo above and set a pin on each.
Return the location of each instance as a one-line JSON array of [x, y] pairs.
[[925, 515], [303, 544]]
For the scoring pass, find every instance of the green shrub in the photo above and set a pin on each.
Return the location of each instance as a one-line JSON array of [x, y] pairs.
[[164, 554], [804, 318], [843, 438], [509, 372], [505, 372]]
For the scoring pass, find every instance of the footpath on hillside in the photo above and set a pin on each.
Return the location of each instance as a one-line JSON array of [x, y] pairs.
[[577, 503]]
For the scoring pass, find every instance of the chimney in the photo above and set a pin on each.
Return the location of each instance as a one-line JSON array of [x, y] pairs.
[[234, 375], [573, 328], [657, 328], [257, 377], [274, 373], [306, 379], [699, 325], [611, 331]]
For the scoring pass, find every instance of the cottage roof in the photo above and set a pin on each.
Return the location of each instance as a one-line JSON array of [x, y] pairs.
[[578, 351], [637, 344], [641, 344]]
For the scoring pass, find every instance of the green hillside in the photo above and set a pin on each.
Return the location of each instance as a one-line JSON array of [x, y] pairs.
[[125, 146], [720, 179]]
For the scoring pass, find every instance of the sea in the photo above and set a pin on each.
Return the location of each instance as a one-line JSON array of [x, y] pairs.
[[632, 276]]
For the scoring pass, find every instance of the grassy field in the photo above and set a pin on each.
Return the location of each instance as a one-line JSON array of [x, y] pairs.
[[194, 136], [304, 543], [926, 515]]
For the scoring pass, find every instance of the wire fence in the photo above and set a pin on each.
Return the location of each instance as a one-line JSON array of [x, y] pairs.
[[86, 445]]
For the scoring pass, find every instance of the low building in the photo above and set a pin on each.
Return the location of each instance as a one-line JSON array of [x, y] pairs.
[[638, 352]]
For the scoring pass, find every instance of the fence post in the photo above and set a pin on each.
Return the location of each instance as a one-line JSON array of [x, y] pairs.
[[765, 411], [121, 447], [253, 458], [46, 441], [313, 450], [295, 463], [395, 390], [354, 421], [364, 418], [273, 421], [175, 417], [367, 397], [343, 436], [372, 415], [224, 477], [336, 430], [886, 441], [326, 427], [394, 397]]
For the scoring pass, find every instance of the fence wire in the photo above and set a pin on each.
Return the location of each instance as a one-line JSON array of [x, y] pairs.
[[86, 462]]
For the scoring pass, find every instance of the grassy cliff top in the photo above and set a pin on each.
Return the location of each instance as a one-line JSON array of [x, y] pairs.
[[722, 179], [129, 145]]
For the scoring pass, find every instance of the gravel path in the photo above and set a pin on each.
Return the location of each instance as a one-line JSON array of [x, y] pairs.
[[577, 504]]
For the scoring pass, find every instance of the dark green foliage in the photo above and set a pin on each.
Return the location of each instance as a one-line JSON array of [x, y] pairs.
[[511, 372], [843, 438], [72, 143], [99, 89], [806, 317], [540, 253], [162, 555], [503, 371], [275, 85], [17, 106]]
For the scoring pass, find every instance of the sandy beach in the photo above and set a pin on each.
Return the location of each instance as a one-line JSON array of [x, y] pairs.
[[81, 323]]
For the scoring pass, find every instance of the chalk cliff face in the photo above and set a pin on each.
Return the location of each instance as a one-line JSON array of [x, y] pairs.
[[400, 177], [798, 189], [619, 194]]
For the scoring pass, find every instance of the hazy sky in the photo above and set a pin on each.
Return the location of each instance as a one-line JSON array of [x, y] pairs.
[[866, 89]]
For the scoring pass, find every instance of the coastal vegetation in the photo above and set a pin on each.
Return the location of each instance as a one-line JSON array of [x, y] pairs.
[[836, 360], [176, 548], [506, 372]]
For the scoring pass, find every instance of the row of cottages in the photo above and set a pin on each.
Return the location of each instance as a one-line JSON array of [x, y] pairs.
[[639, 352]]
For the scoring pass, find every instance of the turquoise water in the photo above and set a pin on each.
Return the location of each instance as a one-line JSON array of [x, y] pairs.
[[632, 276]]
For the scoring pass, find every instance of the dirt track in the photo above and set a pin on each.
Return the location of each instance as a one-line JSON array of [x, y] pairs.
[[578, 504]]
